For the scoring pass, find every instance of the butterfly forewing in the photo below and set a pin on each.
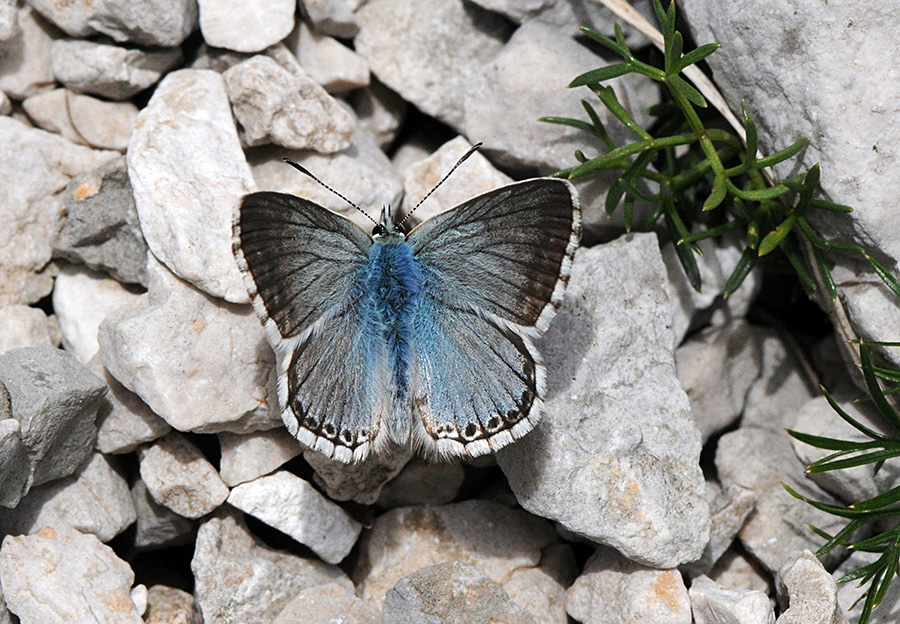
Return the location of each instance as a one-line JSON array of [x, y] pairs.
[[299, 258], [507, 252]]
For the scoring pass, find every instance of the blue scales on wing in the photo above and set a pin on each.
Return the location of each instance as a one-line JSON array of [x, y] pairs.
[[495, 270], [301, 265]]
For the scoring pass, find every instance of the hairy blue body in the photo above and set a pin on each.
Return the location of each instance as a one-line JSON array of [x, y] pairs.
[[393, 285]]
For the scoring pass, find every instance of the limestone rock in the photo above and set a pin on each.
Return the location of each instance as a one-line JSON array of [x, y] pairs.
[[187, 171], [291, 505]]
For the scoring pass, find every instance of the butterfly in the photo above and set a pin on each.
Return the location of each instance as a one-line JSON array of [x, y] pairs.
[[423, 339]]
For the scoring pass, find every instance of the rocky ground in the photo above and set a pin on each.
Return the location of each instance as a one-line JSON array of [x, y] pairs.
[[145, 474]]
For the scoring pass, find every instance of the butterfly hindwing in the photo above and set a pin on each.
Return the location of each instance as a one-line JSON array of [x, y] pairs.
[[338, 394], [300, 264], [507, 252], [476, 383]]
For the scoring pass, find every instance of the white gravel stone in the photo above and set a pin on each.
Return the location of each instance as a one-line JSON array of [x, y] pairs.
[[238, 579], [527, 80], [781, 389], [361, 482], [476, 176], [713, 604], [168, 605], [613, 394], [93, 500], [762, 460], [148, 22], [542, 590], [816, 417], [331, 602], [22, 326], [82, 118], [124, 422], [276, 106], [807, 593], [565, 13], [728, 511], [329, 62], [737, 570], [611, 584], [361, 172], [156, 526], [431, 52], [110, 71], [6, 106], [412, 150], [9, 22], [179, 477], [717, 368], [139, 596], [451, 591], [380, 111], [332, 17], [41, 163], [5, 616], [246, 25], [248, 456], [61, 576], [25, 62], [293, 506], [201, 364], [423, 483], [14, 466], [55, 400], [496, 539], [187, 171], [872, 310], [82, 298]]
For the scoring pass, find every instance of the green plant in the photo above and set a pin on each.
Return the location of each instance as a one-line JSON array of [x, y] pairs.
[[704, 181], [875, 450]]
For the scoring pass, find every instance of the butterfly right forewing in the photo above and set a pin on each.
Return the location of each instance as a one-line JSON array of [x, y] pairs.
[[507, 252], [301, 263]]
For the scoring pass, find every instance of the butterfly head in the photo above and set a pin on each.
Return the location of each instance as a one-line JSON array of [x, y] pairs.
[[386, 231]]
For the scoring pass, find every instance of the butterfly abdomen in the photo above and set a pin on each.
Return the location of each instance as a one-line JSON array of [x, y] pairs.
[[393, 285]]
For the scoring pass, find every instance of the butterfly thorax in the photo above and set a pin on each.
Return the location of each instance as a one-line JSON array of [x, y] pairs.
[[392, 284]]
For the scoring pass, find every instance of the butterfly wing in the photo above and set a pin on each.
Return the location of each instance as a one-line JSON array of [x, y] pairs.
[[301, 264], [507, 252], [496, 269], [476, 383]]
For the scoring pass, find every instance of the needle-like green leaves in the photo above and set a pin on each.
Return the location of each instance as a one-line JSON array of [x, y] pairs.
[[879, 513], [717, 183]]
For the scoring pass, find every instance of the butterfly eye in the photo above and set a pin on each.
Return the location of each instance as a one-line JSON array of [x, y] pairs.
[[379, 230]]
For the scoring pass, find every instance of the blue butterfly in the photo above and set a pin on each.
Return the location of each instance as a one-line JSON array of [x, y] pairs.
[[422, 339]]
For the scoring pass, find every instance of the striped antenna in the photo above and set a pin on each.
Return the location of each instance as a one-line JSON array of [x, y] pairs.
[[435, 187], [306, 171]]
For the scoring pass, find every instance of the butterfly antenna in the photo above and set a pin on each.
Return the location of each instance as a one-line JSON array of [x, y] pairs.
[[306, 171], [435, 187]]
